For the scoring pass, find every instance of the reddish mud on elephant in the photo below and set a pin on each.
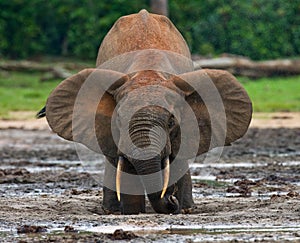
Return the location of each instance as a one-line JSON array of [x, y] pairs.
[[147, 110]]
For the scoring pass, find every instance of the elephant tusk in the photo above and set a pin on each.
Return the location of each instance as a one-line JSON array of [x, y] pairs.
[[166, 176], [118, 177]]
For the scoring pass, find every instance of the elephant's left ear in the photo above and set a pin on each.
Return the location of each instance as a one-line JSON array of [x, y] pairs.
[[221, 105], [80, 108]]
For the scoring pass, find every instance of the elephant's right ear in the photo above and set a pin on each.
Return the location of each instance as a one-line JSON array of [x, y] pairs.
[[221, 106], [81, 107]]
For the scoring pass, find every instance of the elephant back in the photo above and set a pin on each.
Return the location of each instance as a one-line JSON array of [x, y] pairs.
[[139, 32]]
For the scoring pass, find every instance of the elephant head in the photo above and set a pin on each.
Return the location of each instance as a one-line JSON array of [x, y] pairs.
[[148, 115]]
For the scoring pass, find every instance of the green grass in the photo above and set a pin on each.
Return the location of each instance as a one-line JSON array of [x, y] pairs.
[[25, 92], [274, 94]]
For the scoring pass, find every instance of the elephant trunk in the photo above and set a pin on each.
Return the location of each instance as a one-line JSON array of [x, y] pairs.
[[153, 181], [148, 163]]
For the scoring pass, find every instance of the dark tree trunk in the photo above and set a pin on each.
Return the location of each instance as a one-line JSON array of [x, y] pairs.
[[159, 7], [241, 66]]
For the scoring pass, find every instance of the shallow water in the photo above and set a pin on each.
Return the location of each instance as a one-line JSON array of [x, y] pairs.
[[206, 233]]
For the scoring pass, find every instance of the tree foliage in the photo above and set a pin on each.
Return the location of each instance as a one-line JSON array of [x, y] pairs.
[[256, 28]]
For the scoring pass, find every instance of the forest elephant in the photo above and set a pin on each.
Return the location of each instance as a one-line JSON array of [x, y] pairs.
[[148, 111]]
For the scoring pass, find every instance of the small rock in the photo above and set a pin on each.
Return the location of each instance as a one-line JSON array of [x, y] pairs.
[[27, 229], [119, 234], [293, 194], [245, 191], [70, 229], [245, 182], [2, 174]]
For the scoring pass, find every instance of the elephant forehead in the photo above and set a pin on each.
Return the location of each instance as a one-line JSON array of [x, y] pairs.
[[150, 99], [149, 95]]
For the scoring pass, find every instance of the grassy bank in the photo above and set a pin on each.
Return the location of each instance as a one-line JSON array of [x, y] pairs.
[[274, 94], [25, 92]]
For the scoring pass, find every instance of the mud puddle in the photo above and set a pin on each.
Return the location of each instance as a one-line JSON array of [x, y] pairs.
[[251, 193]]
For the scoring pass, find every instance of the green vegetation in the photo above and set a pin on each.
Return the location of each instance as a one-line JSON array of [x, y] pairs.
[[274, 94], [258, 29], [25, 92]]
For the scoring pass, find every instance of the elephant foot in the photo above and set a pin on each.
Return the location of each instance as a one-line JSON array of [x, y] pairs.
[[132, 204], [110, 204], [183, 191], [189, 210], [109, 211]]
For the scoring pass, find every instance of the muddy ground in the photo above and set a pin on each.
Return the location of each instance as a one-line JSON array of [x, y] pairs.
[[251, 193]]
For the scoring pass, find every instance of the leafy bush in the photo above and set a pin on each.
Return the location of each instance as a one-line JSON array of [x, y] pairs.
[[256, 28]]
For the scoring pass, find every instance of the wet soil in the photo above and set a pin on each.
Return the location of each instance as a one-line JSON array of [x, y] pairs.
[[250, 193]]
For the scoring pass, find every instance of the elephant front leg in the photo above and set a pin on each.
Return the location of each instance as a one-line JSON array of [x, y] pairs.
[[132, 204], [183, 192], [132, 198], [110, 204]]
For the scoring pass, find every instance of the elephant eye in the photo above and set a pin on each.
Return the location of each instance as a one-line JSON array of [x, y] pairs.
[[171, 122]]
